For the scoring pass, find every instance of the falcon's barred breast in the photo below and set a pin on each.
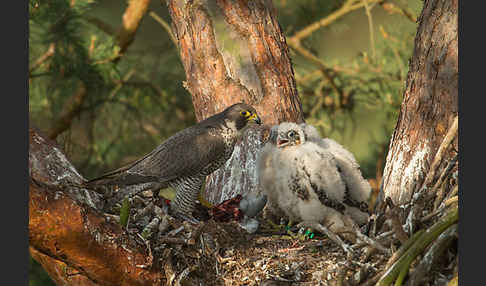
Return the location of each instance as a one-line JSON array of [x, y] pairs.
[[310, 179], [187, 157]]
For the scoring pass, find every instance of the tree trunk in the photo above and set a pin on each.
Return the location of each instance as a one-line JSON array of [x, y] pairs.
[[430, 103], [234, 51]]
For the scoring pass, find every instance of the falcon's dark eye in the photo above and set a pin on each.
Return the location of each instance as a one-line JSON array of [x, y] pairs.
[[245, 113], [291, 134]]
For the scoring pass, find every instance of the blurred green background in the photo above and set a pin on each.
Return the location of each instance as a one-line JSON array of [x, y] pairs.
[[134, 103]]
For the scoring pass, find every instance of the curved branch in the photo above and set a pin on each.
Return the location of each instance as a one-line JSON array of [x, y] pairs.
[[66, 230], [131, 20], [345, 9]]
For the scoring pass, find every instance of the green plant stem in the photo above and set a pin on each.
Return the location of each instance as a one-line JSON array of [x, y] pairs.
[[418, 246]]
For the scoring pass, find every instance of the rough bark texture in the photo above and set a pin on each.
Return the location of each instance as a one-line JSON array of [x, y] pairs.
[[234, 51], [430, 101], [69, 236]]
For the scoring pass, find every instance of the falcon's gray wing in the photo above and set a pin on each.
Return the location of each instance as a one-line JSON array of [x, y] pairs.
[[184, 154]]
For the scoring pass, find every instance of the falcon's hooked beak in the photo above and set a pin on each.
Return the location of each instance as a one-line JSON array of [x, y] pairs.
[[254, 118]]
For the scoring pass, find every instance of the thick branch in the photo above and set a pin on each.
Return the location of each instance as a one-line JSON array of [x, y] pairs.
[[60, 272], [131, 20], [65, 225]]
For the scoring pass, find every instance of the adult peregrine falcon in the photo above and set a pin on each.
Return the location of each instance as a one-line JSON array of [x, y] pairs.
[[185, 159], [310, 179]]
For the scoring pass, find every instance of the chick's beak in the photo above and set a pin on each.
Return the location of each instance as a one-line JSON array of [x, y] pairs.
[[282, 142], [254, 117]]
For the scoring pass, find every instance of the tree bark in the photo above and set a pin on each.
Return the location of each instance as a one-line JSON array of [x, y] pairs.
[[235, 51], [69, 236], [430, 102]]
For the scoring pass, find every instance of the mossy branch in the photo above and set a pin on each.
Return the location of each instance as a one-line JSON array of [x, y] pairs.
[[417, 247]]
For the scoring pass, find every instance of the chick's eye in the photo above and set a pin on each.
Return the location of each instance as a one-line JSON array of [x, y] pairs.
[[291, 134], [245, 113]]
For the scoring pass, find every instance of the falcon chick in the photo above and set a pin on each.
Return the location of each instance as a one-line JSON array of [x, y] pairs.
[[311, 180], [185, 159]]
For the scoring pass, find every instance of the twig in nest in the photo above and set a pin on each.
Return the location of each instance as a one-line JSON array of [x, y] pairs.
[[378, 237], [451, 134], [195, 234], [289, 249], [453, 192], [433, 254], [322, 229], [441, 181], [184, 274], [403, 248], [342, 272], [370, 241], [394, 258], [169, 267], [400, 268], [420, 198], [393, 215], [150, 258], [172, 240], [144, 211], [175, 231], [440, 209]]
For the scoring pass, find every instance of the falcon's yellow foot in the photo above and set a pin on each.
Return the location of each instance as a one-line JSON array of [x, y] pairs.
[[274, 227]]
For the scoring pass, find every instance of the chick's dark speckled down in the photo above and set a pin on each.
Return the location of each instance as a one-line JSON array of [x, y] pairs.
[[311, 179], [186, 158]]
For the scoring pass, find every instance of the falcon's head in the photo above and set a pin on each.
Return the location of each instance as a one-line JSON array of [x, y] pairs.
[[287, 134], [241, 115]]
